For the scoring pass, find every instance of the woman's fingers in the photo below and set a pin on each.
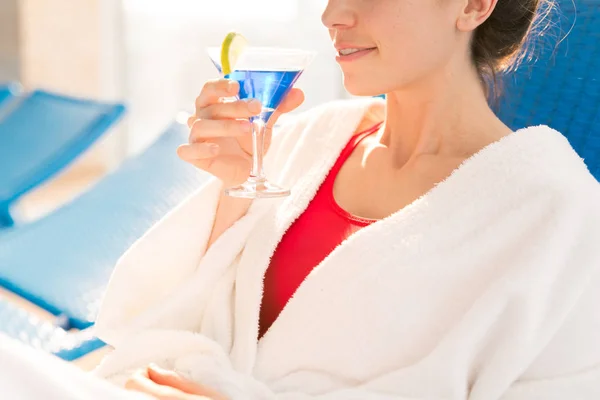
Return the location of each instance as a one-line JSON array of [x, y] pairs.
[[232, 169], [198, 151], [242, 109], [140, 382], [210, 128], [214, 90], [230, 110], [292, 101], [172, 379], [191, 120]]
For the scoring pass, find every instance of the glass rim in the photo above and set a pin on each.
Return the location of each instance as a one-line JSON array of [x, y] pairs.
[[259, 50]]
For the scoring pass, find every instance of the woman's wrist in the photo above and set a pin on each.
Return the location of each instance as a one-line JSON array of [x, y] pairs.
[[229, 211]]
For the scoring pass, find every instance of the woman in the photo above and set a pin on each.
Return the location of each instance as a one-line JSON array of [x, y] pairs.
[[427, 251]]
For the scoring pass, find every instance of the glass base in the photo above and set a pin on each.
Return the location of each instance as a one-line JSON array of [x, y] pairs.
[[257, 189]]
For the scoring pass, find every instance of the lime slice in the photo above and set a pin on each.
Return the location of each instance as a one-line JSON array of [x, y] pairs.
[[231, 49]]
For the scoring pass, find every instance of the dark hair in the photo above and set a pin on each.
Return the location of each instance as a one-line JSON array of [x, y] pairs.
[[501, 42]]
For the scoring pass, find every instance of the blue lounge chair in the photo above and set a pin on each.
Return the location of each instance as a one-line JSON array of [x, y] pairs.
[[40, 334], [561, 86], [63, 261], [41, 135], [8, 91]]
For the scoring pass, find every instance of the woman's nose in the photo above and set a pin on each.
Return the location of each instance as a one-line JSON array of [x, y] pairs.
[[338, 14]]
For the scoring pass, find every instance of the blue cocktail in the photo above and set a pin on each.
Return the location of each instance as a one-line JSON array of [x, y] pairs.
[[270, 87], [266, 74]]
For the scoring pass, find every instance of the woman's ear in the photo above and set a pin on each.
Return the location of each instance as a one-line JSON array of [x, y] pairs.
[[475, 13]]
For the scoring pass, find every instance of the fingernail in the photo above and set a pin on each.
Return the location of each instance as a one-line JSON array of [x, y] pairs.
[[212, 148], [254, 106], [231, 86], [154, 367]]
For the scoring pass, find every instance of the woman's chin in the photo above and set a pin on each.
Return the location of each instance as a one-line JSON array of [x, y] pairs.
[[356, 88], [362, 92]]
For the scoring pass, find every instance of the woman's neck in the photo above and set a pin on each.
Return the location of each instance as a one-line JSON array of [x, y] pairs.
[[447, 116]]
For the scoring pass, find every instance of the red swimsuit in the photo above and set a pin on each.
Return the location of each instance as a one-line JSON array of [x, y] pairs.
[[322, 227]]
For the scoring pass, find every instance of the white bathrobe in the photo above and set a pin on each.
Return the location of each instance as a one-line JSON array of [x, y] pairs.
[[487, 287]]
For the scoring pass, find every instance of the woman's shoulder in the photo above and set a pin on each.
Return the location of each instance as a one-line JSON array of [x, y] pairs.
[[543, 160], [550, 152]]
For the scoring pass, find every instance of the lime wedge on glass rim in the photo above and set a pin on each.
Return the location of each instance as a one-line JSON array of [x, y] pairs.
[[232, 48]]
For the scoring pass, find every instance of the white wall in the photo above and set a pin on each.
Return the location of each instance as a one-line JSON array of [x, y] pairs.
[[74, 47], [166, 63]]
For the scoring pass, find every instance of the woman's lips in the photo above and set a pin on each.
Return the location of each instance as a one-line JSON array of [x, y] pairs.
[[354, 54]]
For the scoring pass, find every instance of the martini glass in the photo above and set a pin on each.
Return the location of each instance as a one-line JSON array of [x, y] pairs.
[[266, 74]]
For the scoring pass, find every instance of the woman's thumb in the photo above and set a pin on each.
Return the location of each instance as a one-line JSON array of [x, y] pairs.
[[292, 101]]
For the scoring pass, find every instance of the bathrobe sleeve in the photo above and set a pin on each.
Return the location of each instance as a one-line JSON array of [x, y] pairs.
[[171, 250]]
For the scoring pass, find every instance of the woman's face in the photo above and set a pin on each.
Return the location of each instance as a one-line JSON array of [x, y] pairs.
[[402, 42]]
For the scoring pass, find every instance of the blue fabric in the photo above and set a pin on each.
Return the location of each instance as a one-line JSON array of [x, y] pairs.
[[41, 135], [560, 87], [63, 262], [7, 92], [44, 335]]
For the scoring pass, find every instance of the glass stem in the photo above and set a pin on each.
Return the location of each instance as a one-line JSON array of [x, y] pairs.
[[258, 147]]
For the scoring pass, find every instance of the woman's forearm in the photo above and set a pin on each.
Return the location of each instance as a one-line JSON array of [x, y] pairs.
[[229, 210]]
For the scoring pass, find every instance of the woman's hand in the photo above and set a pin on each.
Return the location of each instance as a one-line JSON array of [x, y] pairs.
[[168, 385], [220, 141]]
